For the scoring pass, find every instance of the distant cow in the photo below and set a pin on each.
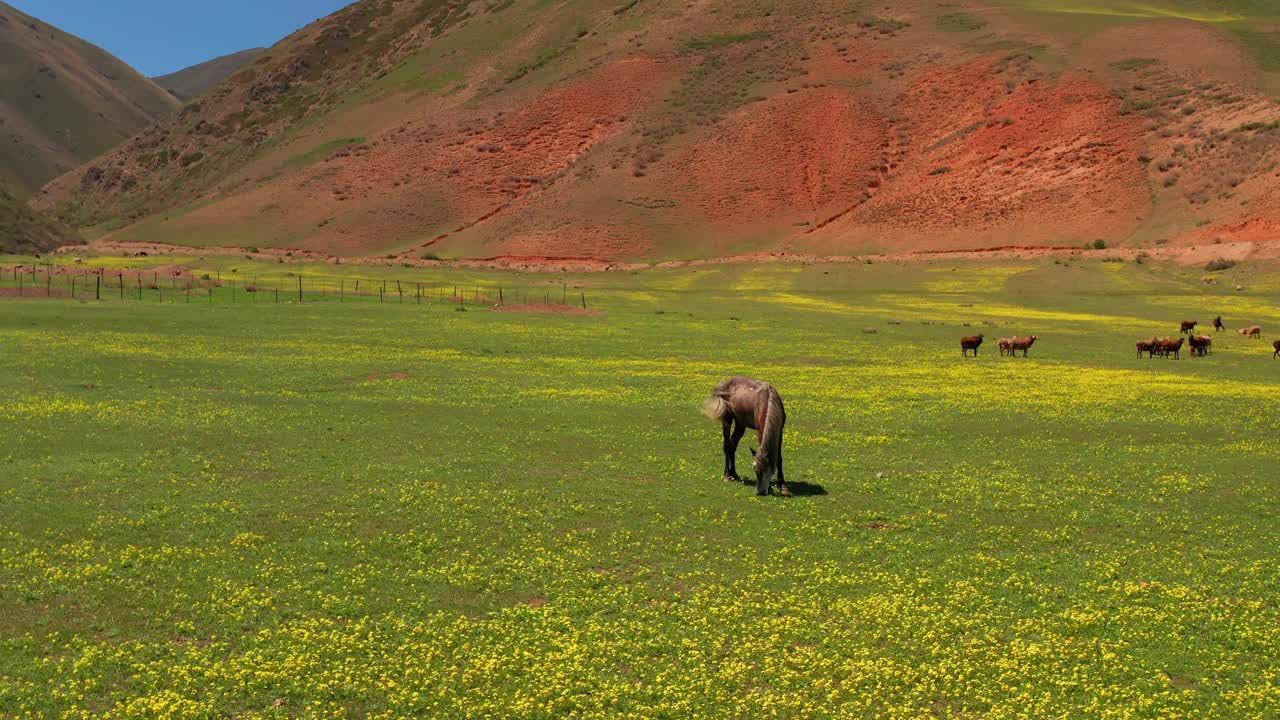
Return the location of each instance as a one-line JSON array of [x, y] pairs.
[[1169, 346], [1217, 324], [1023, 344], [1003, 344], [1200, 344], [1148, 346], [970, 343], [1253, 331], [1188, 326]]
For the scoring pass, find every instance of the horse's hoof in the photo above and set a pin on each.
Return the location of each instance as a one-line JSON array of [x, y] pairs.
[[732, 478]]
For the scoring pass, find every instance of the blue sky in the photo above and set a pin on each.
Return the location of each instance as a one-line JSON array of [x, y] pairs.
[[161, 36]]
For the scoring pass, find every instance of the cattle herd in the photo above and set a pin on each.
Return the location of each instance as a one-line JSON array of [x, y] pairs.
[[1199, 344], [1162, 346]]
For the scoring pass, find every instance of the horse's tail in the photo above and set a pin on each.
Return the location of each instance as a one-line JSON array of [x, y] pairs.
[[716, 408]]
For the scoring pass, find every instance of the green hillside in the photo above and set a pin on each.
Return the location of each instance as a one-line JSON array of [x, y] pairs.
[[64, 101], [23, 230]]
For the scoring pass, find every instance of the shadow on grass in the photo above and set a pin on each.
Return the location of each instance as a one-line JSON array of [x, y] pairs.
[[804, 489]]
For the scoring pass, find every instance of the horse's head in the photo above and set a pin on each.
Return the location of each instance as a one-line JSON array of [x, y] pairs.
[[765, 470]]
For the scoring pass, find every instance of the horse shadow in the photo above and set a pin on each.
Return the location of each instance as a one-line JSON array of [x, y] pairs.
[[797, 488], [800, 488]]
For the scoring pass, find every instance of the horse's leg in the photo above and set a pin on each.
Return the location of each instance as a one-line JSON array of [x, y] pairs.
[[782, 480], [727, 426], [731, 439]]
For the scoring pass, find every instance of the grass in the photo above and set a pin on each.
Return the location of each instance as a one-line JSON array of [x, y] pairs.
[[1134, 63], [356, 509], [1265, 46], [716, 42], [320, 152], [1211, 11], [960, 22]]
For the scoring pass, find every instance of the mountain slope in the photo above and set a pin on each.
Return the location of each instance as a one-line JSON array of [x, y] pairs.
[[669, 129], [196, 80], [24, 231], [63, 101]]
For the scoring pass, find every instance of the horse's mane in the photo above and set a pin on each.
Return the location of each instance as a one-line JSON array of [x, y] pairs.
[[771, 429]]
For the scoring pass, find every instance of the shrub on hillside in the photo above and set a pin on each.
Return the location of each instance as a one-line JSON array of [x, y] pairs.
[[1218, 264]]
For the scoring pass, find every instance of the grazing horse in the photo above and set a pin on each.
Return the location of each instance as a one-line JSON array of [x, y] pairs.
[[1253, 331], [1148, 346], [1217, 324], [1275, 345], [1200, 345], [1169, 346], [1023, 344], [740, 403], [1188, 326], [1004, 344], [970, 343]]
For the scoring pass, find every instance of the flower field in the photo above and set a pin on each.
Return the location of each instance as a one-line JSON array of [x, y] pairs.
[[364, 509]]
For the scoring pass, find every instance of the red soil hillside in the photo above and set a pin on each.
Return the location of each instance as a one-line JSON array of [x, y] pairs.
[[660, 129]]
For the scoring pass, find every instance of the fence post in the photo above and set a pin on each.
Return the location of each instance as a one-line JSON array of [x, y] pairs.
[[299, 288], [499, 295], [73, 287], [399, 291], [584, 301], [97, 292], [122, 286], [342, 290], [277, 294], [381, 292], [233, 292], [139, 287]]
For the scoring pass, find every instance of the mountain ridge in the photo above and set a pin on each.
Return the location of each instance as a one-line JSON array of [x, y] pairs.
[[191, 82], [63, 101], [666, 130]]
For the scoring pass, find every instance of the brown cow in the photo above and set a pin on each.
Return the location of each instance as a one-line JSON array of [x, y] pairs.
[[1003, 344], [1253, 331], [1188, 326], [1169, 346], [1148, 347], [1023, 344], [1200, 345], [970, 343]]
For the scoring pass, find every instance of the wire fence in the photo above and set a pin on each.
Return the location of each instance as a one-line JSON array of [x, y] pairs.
[[134, 285]]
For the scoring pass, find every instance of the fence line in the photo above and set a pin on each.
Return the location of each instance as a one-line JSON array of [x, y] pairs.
[[72, 282]]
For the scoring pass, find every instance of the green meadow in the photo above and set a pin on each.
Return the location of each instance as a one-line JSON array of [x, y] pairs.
[[385, 508]]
